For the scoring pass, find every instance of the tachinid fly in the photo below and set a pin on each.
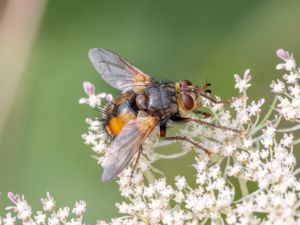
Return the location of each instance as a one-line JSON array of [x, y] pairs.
[[143, 104]]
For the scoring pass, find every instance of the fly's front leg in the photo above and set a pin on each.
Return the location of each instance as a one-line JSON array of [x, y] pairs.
[[211, 124], [163, 130], [178, 118], [204, 114], [215, 100]]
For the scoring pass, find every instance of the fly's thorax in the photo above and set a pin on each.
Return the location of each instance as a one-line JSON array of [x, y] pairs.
[[158, 100]]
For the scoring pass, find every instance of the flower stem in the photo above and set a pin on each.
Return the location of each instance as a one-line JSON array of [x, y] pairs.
[[262, 123], [172, 156], [149, 176], [290, 129], [296, 142], [243, 187], [268, 114]]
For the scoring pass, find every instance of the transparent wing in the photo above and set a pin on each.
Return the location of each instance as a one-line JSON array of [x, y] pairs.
[[118, 72], [127, 144]]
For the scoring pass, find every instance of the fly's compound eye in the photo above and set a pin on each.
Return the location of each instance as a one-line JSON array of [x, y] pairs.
[[185, 83], [188, 102]]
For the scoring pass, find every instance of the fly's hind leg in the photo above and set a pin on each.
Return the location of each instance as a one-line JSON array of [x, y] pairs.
[[180, 138]]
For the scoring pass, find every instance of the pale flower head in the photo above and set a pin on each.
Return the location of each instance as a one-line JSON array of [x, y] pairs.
[[243, 84], [79, 208], [48, 202], [40, 217], [21, 206], [93, 100], [277, 86], [289, 62]]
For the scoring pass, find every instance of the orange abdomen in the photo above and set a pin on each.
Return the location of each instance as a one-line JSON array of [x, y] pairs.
[[119, 113], [115, 124]]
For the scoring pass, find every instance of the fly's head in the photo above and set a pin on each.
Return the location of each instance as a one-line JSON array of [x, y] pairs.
[[189, 96]]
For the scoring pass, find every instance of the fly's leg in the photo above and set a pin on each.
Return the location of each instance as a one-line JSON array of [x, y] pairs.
[[181, 138], [178, 118], [163, 130], [210, 124], [204, 114], [215, 100]]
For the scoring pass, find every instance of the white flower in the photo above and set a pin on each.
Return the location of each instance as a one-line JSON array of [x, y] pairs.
[[179, 197], [237, 104], [9, 219], [243, 116], [242, 84], [294, 90], [63, 213], [229, 149], [149, 191], [180, 182], [277, 86], [53, 220], [287, 58], [79, 208], [21, 206], [94, 124], [90, 138], [48, 202], [290, 160], [291, 78], [270, 130], [287, 140], [254, 109], [93, 100], [75, 221], [40, 217], [247, 143]]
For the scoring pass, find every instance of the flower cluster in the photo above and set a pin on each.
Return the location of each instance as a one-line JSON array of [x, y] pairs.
[[48, 215], [288, 90], [244, 168], [159, 202]]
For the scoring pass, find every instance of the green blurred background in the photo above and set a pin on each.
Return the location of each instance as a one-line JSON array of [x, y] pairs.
[[41, 147]]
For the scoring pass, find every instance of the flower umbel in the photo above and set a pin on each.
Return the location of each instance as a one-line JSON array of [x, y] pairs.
[[262, 154], [48, 215]]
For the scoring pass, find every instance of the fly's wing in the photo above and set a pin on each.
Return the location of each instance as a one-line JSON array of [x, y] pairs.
[[118, 72], [127, 144]]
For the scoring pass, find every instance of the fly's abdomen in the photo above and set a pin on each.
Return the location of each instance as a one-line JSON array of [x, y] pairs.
[[119, 113]]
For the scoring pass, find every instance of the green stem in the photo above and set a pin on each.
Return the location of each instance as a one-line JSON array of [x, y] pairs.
[[262, 123], [243, 186], [248, 196], [296, 142], [149, 176], [269, 111], [290, 129], [227, 165], [219, 221]]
